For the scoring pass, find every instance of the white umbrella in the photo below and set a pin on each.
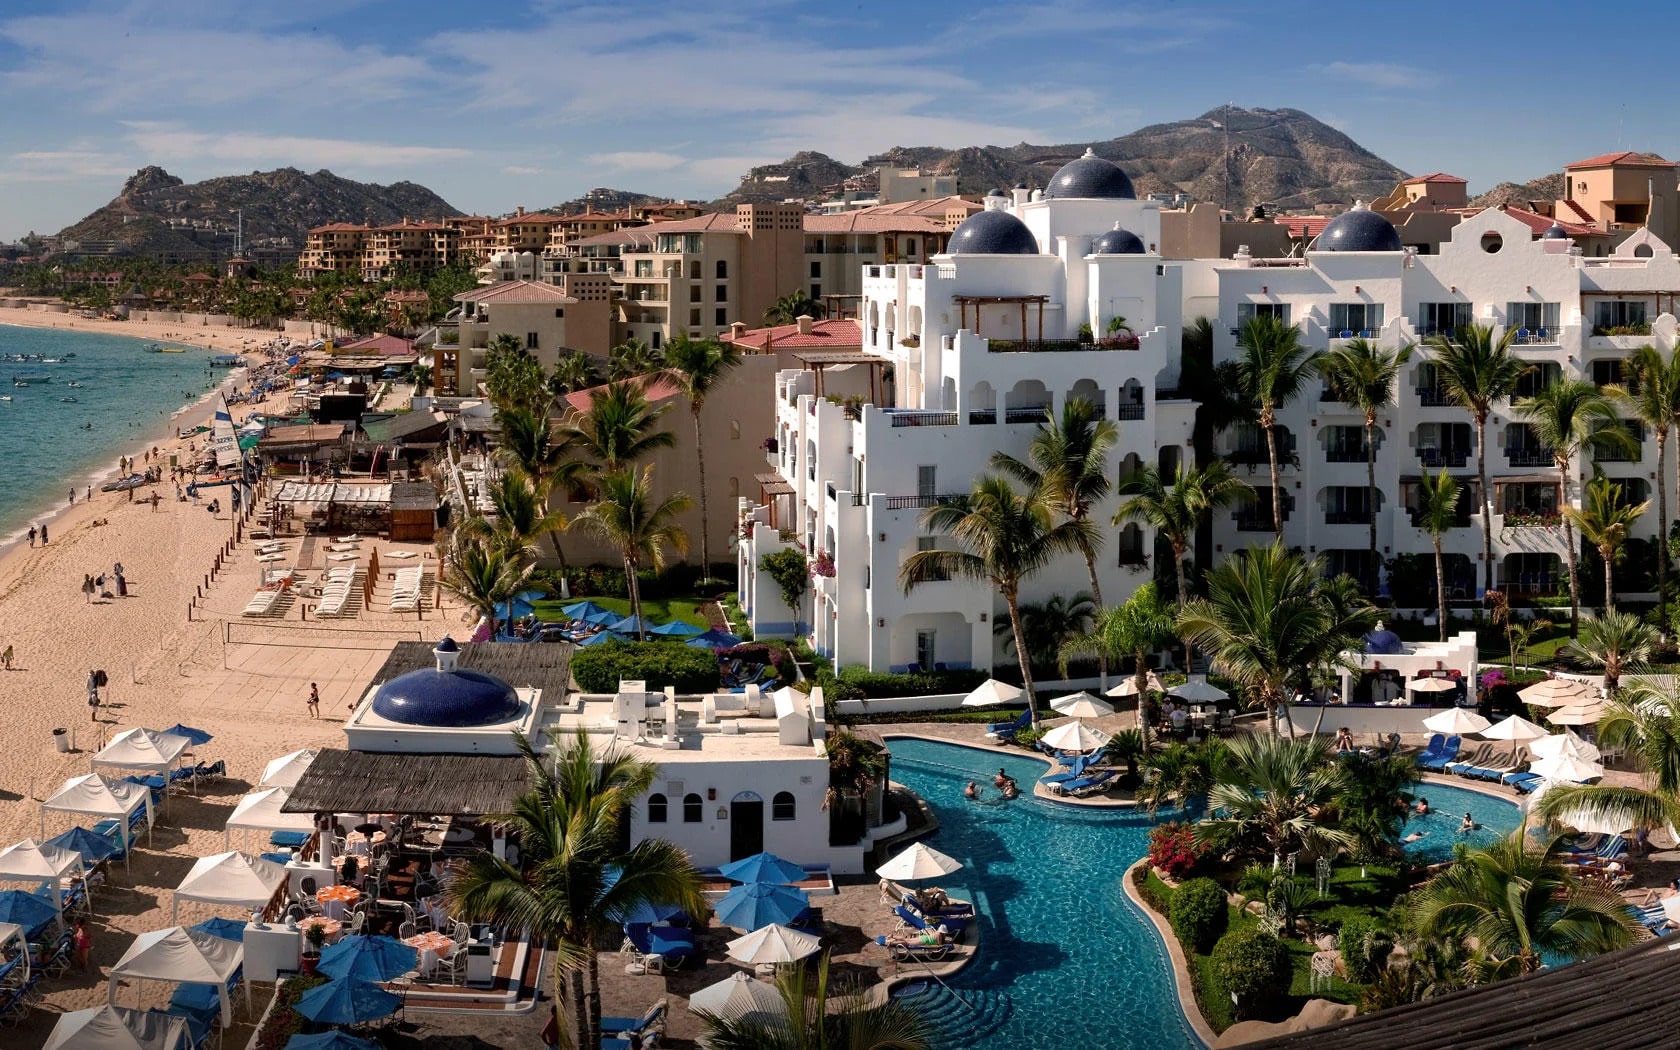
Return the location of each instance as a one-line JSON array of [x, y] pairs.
[[739, 995], [1567, 767], [1459, 720], [1579, 715], [271, 558], [1198, 691], [285, 770], [920, 861], [1128, 687], [1082, 705], [1564, 743], [773, 944], [1671, 908], [1515, 728], [1432, 685], [991, 692], [1556, 692], [1075, 736]]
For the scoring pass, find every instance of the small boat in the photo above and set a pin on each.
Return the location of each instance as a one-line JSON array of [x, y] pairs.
[[5, 397], [67, 400], [153, 348], [32, 377], [172, 349], [132, 481], [74, 382], [19, 382]]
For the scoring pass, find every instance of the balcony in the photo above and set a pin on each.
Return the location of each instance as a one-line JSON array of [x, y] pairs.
[[1256, 522], [988, 415], [1529, 457], [1043, 346], [1344, 455], [1443, 457], [919, 418], [921, 502], [1535, 337], [1348, 517], [1129, 412], [1433, 397], [1025, 414]]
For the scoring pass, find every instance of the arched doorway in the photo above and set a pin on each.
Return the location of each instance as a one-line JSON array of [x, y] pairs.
[[746, 825]]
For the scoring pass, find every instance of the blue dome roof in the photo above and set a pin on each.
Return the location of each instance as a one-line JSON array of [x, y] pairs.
[[1555, 233], [448, 645], [1091, 176], [1358, 230], [994, 232], [1383, 642], [1118, 242], [446, 699]]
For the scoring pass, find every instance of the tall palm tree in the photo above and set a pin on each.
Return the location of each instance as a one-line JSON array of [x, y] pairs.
[[628, 516], [1653, 394], [531, 447], [1438, 512], [575, 371], [1269, 794], [1175, 511], [1521, 903], [1606, 521], [699, 366], [1005, 538], [1273, 370], [619, 428], [632, 358], [815, 1017], [579, 880], [1140, 625], [1564, 417], [1476, 370], [1363, 374], [1615, 641], [1267, 626], [522, 514], [485, 573]]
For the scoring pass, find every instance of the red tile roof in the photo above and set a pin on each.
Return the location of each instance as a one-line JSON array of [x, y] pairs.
[[1541, 223], [715, 222], [340, 227], [516, 292], [383, 345], [655, 386], [415, 296], [1434, 176], [862, 221], [1307, 226], [538, 218], [824, 335], [1625, 159]]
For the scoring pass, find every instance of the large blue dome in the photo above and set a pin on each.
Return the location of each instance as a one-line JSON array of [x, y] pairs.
[[1091, 176], [1358, 230], [446, 699], [1118, 242], [992, 232]]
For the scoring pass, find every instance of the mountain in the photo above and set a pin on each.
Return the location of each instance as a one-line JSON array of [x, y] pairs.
[[1283, 158], [158, 214], [602, 198], [1544, 188]]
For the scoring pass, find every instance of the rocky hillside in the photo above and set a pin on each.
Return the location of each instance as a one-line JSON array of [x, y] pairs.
[[157, 213], [1544, 188], [1284, 158]]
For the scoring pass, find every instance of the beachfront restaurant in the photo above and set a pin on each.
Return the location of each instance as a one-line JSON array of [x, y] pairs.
[[1391, 684], [401, 511]]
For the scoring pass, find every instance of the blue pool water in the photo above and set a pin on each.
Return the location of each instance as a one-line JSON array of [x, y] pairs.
[[1496, 816]]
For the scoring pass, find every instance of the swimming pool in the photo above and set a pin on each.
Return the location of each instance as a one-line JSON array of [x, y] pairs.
[[1066, 959]]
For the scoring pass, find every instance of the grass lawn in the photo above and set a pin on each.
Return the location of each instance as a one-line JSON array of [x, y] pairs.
[[655, 610]]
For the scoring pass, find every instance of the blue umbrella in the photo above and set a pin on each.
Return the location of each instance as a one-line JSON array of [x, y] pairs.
[[198, 736], [368, 958], [333, 1040], [601, 618], [763, 867], [347, 1001], [630, 625], [604, 636], [676, 629], [26, 910], [758, 904], [713, 640], [226, 929], [93, 848], [647, 914], [578, 610]]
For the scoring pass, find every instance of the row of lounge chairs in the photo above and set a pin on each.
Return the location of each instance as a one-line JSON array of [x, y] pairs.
[[616, 1032], [1441, 755], [267, 601], [408, 589], [337, 591]]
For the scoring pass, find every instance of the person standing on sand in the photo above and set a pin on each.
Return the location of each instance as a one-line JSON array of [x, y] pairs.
[[93, 697], [87, 588], [314, 702], [6, 658], [84, 946], [89, 493], [72, 497], [43, 534], [32, 535]]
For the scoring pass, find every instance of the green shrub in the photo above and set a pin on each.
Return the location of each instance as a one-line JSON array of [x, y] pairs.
[[1198, 914], [1365, 947], [880, 685], [1254, 966], [599, 668]]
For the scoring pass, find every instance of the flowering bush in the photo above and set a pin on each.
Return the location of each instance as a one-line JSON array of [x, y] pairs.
[[822, 564], [1173, 849]]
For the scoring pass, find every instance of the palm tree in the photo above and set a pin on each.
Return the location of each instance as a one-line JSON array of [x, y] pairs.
[[1476, 370], [1614, 641], [579, 880], [1046, 625], [522, 514], [1175, 512], [1606, 521], [619, 428], [788, 309], [1006, 537], [1273, 370], [628, 516], [1564, 417], [1266, 624], [816, 1018], [1438, 512], [1521, 903], [1363, 374], [1131, 630], [529, 446], [1271, 793], [1653, 394], [1178, 773], [484, 573], [575, 371], [699, 366], [632, 358]]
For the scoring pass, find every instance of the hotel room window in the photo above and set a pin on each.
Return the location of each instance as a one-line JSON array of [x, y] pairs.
[[530, 340], [657, 807], [722, 270], [782, 806], [720, 294], [692, 807], [722, 317], [816, 271]]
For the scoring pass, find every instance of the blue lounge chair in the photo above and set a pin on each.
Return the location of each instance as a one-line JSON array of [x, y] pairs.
[[960, 910], [1075, 770], [906, 951], [289, 839], [1007, 730], [623, 1026], [915, 921], [1085, 785], [1611, 849], [1447, 754], [674, 943], [1437, 744]]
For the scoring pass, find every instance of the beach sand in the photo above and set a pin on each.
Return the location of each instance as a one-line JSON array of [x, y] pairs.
[[165, 669], [212, 337]]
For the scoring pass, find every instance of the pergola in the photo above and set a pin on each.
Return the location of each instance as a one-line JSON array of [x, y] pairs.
[[817, 361], [770, 486], [1023, 301]]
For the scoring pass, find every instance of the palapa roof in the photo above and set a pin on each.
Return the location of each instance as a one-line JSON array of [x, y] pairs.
[[435, 785]]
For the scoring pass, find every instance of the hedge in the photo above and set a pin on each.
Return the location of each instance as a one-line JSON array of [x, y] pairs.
[[599, 668], [1365, 948], [1198, 914], [881, 685], [1254, 966]]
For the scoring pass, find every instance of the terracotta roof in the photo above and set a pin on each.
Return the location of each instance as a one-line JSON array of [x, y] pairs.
[[824, 335], [715, 222], [200, 278], [384, 345], [408, 224], [1305, 225], [536, 217], [862, 221], [655, 386], [415, 296], [638, 235], [1625, 159], [932, 207], [1434, 176], [516, 292], [340, 227], [1541, 223]]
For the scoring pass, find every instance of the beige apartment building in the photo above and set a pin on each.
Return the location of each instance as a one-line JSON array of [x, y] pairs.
[[1622, 192], [334, 248], [549, 320], [377, 252]]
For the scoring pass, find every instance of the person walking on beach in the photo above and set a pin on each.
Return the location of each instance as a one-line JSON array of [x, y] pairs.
[[314, 703], [93, 696], [6, 658], [89, 493], [84, 946], [87, 588], [43, 534], [72, 497], [32, 535]]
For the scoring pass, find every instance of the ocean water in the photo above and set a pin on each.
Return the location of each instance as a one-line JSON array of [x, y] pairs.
[[126, 399]]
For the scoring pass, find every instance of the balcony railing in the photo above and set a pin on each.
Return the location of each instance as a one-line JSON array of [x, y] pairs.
[[1529, 457], [923, 419], [1025, 414], [1433, 397], [1443, 457], [1461, 519], [1128, 411], [1344, 455], [988, 415], [919, 502], [1347, 517], [1256, 522]]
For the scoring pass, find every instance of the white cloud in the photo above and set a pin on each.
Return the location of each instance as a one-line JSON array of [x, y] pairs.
[[1375, 74], [174, 144], [520, 169], [637, 160]]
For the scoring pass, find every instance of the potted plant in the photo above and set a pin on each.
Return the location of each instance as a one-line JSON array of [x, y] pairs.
[[314, 935], [350, 871]]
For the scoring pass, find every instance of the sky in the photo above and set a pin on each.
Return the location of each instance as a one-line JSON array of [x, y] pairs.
[[532, 102]]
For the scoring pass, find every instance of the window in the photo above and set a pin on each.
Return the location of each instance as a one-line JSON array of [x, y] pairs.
[[654, 341], [693, 293], [694, 271], [693, 243], [816, 292], [1606, 372], [530, 340], [657, 806], [1249, 311], [1355, 318], [722, 270], [692, 808], [1619, 315], [782, 806], [720, 294], [927, 481], [694, 318], [644, 267], [1532, 316], [559, 311], [910, 246], [722, 317], [816, 270], [924, 650], [1442, 318]]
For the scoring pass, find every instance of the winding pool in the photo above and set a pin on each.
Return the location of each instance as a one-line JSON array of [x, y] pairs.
[[1066, 960]]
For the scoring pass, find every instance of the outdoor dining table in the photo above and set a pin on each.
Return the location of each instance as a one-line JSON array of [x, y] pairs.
[[331, 927], [432, 946], [336, 900]]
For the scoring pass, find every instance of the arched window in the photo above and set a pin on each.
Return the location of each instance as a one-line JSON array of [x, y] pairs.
[[782, 806], [656, 809], [692, 807]]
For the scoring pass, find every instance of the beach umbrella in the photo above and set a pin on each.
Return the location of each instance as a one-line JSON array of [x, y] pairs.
[[26, 910], [603, 618], [773, 944], [991, 692], [1567, 767], [519, 606], [1075, 736], [1198, 690], [1579, 715], [578, 610], [1129, 686], [762, 867], [756, 904], [1557, 692], [919, 861], [368, 958], [1516, 729], [198, 736], [226, 929], [1564, 743], [630, 625], [347, 1001], [739, 996], [333, 1040], [1082, 705], [645, 914], [1456, 720], [93, 848], [1432, 685], [286, 770], [713, 640], [676, 629], [601, 639]]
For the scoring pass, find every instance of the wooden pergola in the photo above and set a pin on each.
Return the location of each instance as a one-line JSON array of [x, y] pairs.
[[1023, 301], [770, 486], [817, 361]]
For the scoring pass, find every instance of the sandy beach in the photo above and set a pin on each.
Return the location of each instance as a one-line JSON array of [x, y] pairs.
[[211, 337]]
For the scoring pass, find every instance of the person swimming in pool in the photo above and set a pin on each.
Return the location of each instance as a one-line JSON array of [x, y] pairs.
[[972, 792], [1468, 825], [1010, 788], [1415, 836], [1422, 808], [1001, 779]]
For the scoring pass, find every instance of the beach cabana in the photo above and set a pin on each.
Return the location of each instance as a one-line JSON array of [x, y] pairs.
[[260, 811], [32, 862], [142, 749], [115, 802], [285, 770], [231, 878], [179, 956], [119, 1028]]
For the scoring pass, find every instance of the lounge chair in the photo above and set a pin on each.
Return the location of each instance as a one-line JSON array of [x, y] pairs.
[[1007, 730], [1468, 759], [1075, 770], [914, 920], [907, 950], [961, 910], [1612, 848], [1447, 754], [673, 944], [1096, 780], [626, 1025], [1437, 744]]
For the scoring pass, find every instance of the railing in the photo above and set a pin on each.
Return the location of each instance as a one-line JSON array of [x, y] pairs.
[[923, 419], [1461, 519], [1529, 457], [1128, 411], [1256, 522], [1433, 397], [1040, 346], [1549, 522], [1025, 414], [1443, 457], [1643, 328], [1347, 517], [918, 502], [988, 415], [1617, 454], [1534, 337], [1344, 455]]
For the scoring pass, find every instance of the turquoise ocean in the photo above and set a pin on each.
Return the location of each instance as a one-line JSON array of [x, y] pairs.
[[126, 399]]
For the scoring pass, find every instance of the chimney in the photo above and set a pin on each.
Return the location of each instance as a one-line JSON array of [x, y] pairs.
[[519, 211], [804, 323], [737, 329]]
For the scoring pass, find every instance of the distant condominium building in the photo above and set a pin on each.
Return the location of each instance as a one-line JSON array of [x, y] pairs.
[[376, 253], [549, 320]]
